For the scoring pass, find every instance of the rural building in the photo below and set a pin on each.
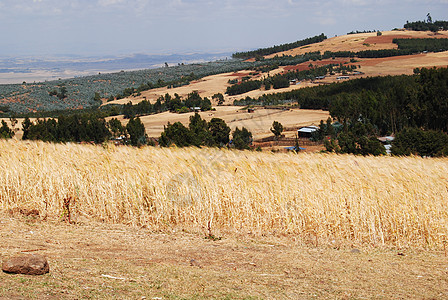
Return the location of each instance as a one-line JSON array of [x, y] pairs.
[[195, 109], [307, 131], [250, 110], [342, 77]]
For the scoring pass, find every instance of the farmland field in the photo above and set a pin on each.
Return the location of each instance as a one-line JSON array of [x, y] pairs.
[[367, 200], [275, 225]]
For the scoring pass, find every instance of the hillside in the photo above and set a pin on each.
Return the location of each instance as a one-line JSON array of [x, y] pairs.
[[362, 41], [396, 65], [211, 78]]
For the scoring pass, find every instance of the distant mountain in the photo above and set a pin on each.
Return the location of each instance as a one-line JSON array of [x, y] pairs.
[[29, 69]]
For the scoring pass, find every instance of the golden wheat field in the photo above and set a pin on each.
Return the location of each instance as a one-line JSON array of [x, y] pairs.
[[390, 201]]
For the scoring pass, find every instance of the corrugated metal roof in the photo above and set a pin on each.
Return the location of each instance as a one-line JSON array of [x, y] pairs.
[[308, 129]]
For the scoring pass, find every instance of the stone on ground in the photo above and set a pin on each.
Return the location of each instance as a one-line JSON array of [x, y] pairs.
[[29, 264]]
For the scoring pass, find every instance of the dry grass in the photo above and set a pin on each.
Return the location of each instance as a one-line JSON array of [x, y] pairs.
[[398, 202], [110, 261]]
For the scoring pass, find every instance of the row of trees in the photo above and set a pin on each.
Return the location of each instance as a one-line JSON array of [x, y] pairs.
[[199, 132], [83, 128], [5, 131], [168, 103], [427, 25], [279, 48], [93, 128], [420, 45]]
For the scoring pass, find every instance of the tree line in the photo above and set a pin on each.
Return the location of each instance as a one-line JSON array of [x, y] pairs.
[[199, 132], [83, 128], [93, 128], [167, 103], [279, 48], [426, 25], [420, 45]]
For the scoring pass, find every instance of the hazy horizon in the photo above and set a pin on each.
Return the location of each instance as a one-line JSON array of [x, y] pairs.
[[124, 27]]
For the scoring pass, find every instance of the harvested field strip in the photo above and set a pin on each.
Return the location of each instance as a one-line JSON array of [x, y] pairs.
[[399, 202]]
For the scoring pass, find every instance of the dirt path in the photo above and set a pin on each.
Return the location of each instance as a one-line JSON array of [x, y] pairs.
[[116, 261]]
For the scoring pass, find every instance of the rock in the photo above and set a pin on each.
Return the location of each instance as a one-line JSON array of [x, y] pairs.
[[29, 264]]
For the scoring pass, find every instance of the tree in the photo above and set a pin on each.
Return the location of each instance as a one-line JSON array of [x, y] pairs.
[[136, 131], [242, 138], [176, 134], [117, 129], [26, 127], [420, 142], [277, 129], [199, 132], [62, 93], [5, 131], [218, 97], [219, 132]]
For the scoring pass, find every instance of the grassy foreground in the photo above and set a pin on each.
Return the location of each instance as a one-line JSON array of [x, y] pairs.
[[374, 201]]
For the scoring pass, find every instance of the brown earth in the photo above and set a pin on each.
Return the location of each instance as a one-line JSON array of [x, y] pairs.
[[123, 262]]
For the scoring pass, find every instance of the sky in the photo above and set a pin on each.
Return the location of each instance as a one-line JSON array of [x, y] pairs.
[[123, 27]]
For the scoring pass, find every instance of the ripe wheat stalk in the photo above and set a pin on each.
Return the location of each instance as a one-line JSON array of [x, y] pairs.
[[388, 201]]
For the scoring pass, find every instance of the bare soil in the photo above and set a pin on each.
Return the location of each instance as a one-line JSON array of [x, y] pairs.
[[121, 262]]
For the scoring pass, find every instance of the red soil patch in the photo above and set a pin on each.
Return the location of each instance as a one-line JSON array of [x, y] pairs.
[[319, 63], [386, 39]]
